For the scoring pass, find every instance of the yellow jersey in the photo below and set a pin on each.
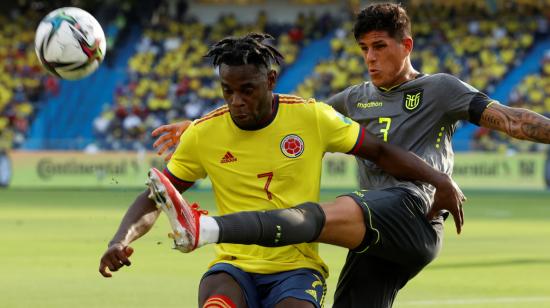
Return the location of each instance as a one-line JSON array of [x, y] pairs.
[[277, 166]]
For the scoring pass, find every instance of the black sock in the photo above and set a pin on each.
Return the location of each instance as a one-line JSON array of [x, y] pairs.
[[299, 224]]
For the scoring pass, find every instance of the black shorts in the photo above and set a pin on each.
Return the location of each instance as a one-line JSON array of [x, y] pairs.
[[399, 242]]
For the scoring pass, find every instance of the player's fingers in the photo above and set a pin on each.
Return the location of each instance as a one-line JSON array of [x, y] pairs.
[[164, 148], [459, 218], [114, 262], [458, 223], [128, 251], [109, 264], [123, 258], [166, 138], [103, 270], [159, 130]]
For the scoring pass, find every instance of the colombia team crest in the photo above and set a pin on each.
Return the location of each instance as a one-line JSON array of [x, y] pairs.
[[292, 146]]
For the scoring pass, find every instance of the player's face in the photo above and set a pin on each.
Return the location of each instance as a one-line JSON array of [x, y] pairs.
[[247, 92], [387, 59]]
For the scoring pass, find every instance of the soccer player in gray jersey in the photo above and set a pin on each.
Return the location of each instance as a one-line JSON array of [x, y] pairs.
[[391, 227]]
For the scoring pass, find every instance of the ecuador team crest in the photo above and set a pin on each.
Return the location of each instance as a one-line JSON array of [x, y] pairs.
[[292, 146], [412, 100]]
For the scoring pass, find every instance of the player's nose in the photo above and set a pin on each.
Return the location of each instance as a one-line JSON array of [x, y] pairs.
[[237, 101]]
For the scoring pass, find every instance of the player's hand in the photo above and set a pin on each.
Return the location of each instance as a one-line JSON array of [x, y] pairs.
[[114, 258], [449, 197], [169, 137]]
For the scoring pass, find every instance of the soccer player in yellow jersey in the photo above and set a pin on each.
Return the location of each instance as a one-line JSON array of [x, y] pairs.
[[262, 167], [262, 151]]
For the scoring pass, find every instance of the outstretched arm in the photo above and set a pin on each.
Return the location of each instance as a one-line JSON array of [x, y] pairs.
[[518, 123], [137, 221], [407, 166]]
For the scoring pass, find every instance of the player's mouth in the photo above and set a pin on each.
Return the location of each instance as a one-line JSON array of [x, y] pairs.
[[241, 116], [373, 72]]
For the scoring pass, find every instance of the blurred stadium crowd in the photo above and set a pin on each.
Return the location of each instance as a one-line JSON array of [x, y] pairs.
[[24, 85], [168, 80]]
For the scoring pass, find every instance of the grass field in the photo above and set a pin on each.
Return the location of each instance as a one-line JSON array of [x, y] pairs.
[[51, 242]]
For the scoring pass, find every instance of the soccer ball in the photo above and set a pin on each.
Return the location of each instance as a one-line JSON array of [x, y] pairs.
[[70, 43]]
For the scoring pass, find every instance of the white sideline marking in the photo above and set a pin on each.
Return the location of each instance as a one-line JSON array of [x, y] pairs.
[[489, 300]]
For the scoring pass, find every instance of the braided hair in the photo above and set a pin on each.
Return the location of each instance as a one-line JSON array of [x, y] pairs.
[[249, 49]]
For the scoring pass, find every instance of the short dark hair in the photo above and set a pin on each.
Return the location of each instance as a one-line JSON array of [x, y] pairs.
[[249, 49], [389, 17]]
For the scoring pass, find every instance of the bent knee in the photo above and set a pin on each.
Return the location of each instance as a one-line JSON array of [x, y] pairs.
[[221, 284], [343, 211], [344, 223]]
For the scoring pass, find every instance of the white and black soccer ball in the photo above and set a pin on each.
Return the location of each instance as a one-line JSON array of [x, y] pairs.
[[70, 43]]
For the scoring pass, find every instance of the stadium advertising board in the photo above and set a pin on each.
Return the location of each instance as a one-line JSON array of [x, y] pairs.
[[498, 171], [128, 170], [81, 170]]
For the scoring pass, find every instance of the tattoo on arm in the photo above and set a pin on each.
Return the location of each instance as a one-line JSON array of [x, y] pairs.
[[517, 122]]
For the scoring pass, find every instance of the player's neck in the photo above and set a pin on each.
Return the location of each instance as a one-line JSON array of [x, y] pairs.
[[408, 74]]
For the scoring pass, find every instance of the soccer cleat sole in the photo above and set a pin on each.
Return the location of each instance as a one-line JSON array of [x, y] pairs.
[[182, 237]]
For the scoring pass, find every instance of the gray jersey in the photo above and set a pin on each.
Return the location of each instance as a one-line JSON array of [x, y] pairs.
[[420, 115]]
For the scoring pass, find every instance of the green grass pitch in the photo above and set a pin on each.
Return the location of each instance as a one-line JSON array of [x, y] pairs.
[[51, 242]]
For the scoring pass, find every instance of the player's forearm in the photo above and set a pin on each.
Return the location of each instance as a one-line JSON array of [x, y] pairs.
[[408, 166], [517, 122], [137, 221], [399, 163]]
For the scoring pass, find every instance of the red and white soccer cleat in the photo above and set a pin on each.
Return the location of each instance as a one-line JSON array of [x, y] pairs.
[[184, 218]]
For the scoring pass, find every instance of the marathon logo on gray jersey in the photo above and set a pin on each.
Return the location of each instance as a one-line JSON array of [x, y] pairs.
[[412, 100], [370, 104]]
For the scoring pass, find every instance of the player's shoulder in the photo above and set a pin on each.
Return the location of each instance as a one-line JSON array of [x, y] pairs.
[[448, 82], [307, 110], [357, 88], [296, 105], [212, 117], [288, 99], [441, 78]]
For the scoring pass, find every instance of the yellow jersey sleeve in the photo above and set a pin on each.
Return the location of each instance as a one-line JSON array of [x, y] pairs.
[[339, 133], [185, 163]]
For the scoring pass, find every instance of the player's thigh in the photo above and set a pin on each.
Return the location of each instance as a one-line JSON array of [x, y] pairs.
[[369, 281], [296, 288], [291, 302], [231, 282], [398, 230]]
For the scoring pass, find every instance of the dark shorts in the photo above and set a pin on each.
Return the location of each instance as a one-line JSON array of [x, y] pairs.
[[266, 290], [400, 242]]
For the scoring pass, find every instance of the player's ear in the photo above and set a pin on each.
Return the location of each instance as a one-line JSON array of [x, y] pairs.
[[407, 44], [271, 79]]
